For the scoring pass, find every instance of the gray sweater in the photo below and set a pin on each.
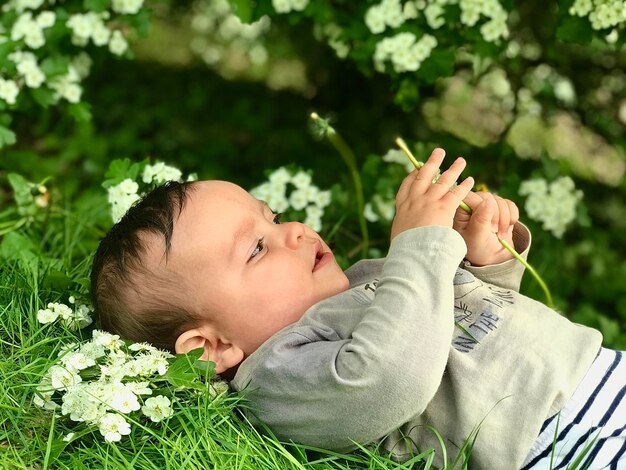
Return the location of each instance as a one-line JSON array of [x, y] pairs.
[[416, 344]]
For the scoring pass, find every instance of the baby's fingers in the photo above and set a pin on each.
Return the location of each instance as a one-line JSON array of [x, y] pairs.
[[427, 173], [460, 192], [449, 177]]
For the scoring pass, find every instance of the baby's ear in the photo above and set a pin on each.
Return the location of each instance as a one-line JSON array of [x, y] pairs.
[[216, 348]]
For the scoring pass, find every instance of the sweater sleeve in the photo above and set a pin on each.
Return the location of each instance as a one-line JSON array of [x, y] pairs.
[[509, 273], [314, 385]]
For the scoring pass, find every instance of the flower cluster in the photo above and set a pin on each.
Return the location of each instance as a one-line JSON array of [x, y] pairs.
[[331, 32], [103, 381], [392, 14], [404, 50], [74, 318], [124, 194], [92, 26], [32, 33], [124, 378], [602, 14], [286, 190], [553, 204], [285, 6], [222, 40], [121, 198]]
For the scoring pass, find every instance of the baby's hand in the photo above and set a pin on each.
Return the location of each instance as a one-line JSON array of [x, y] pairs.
[[492, 217], [420, 202]]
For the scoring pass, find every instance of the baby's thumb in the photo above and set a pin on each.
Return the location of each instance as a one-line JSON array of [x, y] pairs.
[[481, 220]]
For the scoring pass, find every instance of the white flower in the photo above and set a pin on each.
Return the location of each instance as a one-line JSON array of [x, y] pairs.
[[46, 19], [106, 339], [554, 205], [69, 437], [299, 199], [126, 7], [21, 5], [46, 316], [282, 6], [113, 427], [139, 388], [78, 361], [61, 378], [118, 44], [82, 64], [301, 180], [397, 156], [564, 91], [375, 19], [157, 408], [280, 176], [369, 214], [121, 197], [410, 11], [434, 15], [8, 90], [100, 34], [123, 399], [160, 172], [33, 76], [299, 5], [392, 10], [323, 198]]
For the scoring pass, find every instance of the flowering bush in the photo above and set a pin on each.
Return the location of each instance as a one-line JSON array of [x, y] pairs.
[[125, 186], [292, 192], [553, 204], [106, 382], [45, 50], [76, 318], [416, 42]]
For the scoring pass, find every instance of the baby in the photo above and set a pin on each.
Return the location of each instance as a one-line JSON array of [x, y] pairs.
[[433, 337]]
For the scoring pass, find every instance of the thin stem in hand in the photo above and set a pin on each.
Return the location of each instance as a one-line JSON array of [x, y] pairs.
[[549, 302]]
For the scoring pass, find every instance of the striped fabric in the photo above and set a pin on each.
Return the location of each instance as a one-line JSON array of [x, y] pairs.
[[597, 410]]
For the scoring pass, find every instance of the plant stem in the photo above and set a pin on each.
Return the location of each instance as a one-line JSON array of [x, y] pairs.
[[350, 160], [549, 302]]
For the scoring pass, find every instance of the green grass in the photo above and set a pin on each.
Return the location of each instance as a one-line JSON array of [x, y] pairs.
[[47, 262]]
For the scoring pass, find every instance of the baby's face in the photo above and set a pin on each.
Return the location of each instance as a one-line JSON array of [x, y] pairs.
[[254, 274]]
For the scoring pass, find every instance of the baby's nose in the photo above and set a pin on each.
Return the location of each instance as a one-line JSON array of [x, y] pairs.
[[294, 234]]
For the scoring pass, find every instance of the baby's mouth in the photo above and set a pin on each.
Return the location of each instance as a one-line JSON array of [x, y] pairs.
[[321, 258]]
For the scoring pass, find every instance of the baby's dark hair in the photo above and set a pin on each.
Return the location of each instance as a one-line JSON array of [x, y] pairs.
[[131, 299]]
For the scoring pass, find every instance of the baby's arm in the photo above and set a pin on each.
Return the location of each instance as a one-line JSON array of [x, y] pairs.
[[348, 372]]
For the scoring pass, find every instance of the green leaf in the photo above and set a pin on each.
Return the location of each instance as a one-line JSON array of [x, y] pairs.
[[439, 64], [243, 9], [206, 368], [57, 281], [95, 5], [7, 137], [408, 94], [81, 112], [119, 170], [44, 97], [19, 248], [21, 189], [183, 372], [575, 29], [55, 66]]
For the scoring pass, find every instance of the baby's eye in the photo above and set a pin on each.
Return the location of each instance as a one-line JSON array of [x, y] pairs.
[[258, 249], [277, 217]]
